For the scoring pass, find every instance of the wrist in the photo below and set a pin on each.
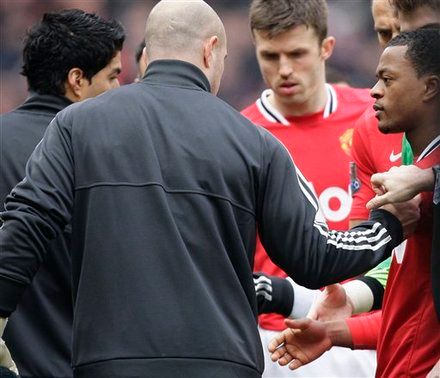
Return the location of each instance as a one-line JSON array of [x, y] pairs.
[[339, 333], [425, 180]]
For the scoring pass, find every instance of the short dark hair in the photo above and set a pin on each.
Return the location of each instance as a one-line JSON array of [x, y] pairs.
[[277, 16], [139, 51], [423, 49], [64, 40], [409, 6]]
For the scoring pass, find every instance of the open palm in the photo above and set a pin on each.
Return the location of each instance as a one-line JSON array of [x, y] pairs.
[[304, 341]]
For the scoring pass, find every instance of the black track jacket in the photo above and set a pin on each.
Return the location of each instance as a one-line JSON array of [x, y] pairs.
[[166, 185], [39, 332]]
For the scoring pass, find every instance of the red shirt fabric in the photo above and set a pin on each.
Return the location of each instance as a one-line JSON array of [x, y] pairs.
[[320, 145], [409, 340], [364, 329], [372, 152]]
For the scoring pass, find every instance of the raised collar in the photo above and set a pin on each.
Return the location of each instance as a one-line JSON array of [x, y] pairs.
[[176, 73], [273, 115], [50, 104]]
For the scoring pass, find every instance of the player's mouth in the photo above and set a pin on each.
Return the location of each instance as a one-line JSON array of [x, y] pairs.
[[379, 109], [288, 88]]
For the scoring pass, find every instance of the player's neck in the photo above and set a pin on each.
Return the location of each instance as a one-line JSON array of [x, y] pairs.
[[312, 105], [420, 137]]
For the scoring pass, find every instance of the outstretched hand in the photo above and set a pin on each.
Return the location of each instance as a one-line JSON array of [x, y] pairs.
[[303, 342], [331, 304], [399, 184], [5, 357]]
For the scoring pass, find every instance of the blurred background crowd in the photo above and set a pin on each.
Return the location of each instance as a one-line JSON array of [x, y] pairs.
[[353, 61]]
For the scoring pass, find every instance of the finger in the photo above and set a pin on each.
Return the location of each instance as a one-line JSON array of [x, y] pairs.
[[280, 352], [377, 180], [286, 359], [276, 342], [377, 202], [6, 359], [300, 324], [295, 364]]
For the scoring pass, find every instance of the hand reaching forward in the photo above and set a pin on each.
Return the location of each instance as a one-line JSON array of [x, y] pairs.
[[331, 304], [5, 357], [400, 184], [304, 341]]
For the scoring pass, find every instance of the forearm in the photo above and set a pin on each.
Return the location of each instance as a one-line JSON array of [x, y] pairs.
[[297, 239], [364, 330]]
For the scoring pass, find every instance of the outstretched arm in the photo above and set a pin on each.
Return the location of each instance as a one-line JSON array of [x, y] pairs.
[[305, 339], [297, 239]]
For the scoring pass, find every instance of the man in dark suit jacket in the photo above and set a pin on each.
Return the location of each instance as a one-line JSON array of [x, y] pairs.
[[69, 56]]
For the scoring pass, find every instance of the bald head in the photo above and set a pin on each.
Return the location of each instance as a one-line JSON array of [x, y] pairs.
[[187, 30], [177, 29]]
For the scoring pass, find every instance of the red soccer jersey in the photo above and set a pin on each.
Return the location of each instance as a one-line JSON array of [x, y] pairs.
[[373, 152], [409, 340], [320, 145]]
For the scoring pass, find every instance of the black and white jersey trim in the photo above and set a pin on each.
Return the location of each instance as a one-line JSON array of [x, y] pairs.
[[430, 148], [273, 115], [263, 286]]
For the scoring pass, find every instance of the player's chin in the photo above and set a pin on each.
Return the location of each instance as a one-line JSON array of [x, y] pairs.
[[386, 127]]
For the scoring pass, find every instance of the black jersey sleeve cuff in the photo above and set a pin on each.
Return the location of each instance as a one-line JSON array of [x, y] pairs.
[[10, 294], [376, 288], [274, 294], [390, 222]]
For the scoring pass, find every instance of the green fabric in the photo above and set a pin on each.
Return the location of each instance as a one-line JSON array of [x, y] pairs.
[[407, 154], [380, 272]]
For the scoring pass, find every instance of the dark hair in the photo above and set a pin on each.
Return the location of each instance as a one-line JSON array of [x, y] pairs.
[[139, 50], [277, 16], [64, 40], [409, 6], [423, 49]]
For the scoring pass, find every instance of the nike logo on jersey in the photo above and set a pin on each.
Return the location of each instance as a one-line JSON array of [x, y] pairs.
[[394, 157]]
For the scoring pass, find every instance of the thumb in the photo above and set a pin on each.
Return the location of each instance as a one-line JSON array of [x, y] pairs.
[[301, 324], [377, 202]]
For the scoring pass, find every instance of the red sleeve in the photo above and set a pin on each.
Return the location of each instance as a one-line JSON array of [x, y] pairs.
[[361, 154], [364, 329]]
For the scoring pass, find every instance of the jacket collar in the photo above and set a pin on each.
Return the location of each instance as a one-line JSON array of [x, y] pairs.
[[51, 104], [176, 73]]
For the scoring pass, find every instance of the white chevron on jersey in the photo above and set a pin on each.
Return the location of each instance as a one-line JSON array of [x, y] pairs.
[[273, 115], [430, 148]]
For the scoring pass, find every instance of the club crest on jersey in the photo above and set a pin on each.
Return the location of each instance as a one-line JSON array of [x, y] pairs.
[[346, 140], [355, 183]]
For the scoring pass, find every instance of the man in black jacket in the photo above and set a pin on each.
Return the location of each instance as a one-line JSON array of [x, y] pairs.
[[69, 56], [165, 186]]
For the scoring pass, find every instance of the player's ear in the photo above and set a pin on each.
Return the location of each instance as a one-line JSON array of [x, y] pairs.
[[74, 83], [327, 46], [208, 51], [432, 88], [144, 57]]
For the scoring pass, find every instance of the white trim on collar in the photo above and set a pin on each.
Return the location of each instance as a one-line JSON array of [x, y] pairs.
[[430, 148], [273, 115]]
